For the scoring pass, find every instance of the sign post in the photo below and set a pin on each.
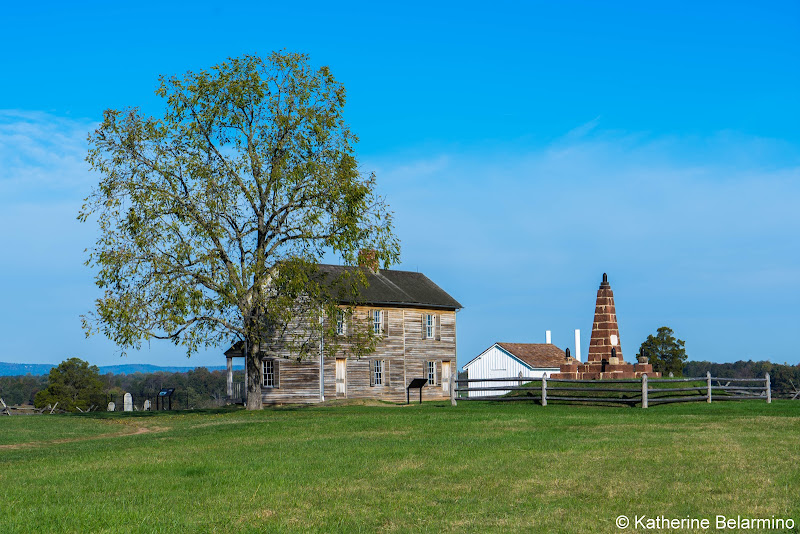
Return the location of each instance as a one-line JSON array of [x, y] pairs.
[[416, 383]]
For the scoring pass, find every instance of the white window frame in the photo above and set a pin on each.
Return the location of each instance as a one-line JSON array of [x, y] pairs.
[[378, 370], [430, 326], [340, 323], [377, 322], [431, 372], [268, 373]]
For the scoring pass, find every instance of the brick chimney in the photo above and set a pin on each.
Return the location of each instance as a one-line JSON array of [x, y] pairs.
[[368, 258], [605, 331]]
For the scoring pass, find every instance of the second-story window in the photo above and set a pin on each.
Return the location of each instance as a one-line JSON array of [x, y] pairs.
[[377, 321], [340, 330], [430, 326]]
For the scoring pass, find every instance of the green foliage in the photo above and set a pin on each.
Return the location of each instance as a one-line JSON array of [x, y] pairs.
[[16, 390], [666, 352], [205, 389], [214, 216], [73, 384], [195, 389], [784, 378]]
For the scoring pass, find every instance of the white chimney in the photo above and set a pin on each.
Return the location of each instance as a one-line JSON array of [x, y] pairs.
[[547, 337], [577, 354]]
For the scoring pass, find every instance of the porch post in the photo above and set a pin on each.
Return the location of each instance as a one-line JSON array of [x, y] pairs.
[[453, 372], [230, 376], [321, 361]]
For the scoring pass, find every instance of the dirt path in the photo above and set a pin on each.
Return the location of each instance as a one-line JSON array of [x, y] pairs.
[[135, 431]]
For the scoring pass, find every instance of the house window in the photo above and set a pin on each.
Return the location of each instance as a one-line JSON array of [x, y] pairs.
[[268, 372], [378, 373], [377, 321], [340, 323], [431, 326], [432, 373]]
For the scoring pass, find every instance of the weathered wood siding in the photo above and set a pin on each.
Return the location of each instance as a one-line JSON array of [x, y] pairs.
[[298, 382], [403, 348]]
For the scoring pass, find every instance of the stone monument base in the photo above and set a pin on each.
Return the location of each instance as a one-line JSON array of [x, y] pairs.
[[600, 370]]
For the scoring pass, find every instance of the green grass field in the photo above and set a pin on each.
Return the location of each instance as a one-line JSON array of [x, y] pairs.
[[477, 467]]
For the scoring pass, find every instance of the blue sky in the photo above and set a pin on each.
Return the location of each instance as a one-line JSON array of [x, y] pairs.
[[525, 148]]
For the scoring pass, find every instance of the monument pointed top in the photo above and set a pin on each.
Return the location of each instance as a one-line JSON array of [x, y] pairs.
[[605, 284]]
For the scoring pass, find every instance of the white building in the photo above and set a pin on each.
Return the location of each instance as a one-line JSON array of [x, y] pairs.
[[501, 360]]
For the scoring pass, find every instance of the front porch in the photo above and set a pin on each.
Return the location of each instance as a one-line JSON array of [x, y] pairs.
[[236, 391]]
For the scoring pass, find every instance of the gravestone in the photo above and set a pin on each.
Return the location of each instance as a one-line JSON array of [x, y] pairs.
[[111, 406], [146, 406], [128, 400]]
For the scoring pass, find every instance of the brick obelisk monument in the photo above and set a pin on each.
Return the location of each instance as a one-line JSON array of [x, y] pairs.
[[605, 353], [605, 330]]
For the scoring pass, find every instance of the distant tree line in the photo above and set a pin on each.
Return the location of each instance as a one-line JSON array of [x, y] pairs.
[[784, 378], [17, 390], [199, 388]]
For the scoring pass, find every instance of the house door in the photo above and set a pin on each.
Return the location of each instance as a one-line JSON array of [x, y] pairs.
[[341, 377], [446, 378]]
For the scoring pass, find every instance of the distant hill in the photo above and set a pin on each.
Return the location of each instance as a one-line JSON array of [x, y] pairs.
[[22, 369], [129, 369], [36, 369]]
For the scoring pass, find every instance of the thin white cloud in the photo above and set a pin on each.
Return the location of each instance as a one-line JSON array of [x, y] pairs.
[[691, 227], [694, 232], [42, 155], [580, 132], [45, 286]]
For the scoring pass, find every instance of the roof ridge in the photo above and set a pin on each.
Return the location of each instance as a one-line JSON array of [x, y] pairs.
[[386, 286], [515, 343], [378, 271], [388, 282]]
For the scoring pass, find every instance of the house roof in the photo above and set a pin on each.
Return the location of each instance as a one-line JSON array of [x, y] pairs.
[[394, 288], [536, 354]]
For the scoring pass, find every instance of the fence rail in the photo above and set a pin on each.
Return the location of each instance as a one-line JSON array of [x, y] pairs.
[[642, 391]]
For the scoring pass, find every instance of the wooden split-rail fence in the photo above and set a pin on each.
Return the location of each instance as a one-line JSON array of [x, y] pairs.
[[644, 391]]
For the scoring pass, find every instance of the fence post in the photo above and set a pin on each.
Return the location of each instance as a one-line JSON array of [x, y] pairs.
[[453, 373], [768, 387], [708, 382], [544, 390], [644, 391]]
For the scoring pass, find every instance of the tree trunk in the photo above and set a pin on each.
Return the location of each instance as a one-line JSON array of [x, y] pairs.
[[253, 372]]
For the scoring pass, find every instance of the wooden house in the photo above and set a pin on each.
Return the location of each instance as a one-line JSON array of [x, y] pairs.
[[416, 323], [501, 360]]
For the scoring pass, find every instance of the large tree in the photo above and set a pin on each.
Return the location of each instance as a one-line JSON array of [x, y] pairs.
[[665, 351], [72, 384], [214, 217]]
